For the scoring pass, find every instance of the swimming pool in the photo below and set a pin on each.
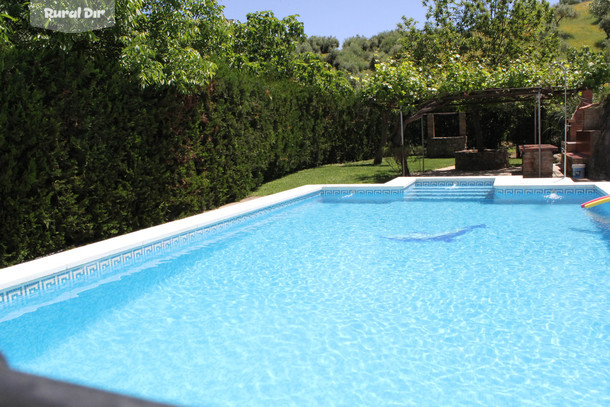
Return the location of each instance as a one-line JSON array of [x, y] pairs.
[[346, 297]]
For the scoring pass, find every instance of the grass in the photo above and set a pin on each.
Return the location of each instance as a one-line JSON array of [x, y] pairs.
[[515, 162], [582, 30], [512, 160], [361, 172]]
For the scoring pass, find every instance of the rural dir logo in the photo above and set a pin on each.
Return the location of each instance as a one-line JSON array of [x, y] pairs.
[[72, 16]]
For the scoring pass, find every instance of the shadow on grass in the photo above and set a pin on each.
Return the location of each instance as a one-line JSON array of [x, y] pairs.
[[354, 165], [381, 178]]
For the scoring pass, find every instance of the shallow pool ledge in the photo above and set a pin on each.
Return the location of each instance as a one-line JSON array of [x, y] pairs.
[[408, 181], [515, 181], [519, 181]]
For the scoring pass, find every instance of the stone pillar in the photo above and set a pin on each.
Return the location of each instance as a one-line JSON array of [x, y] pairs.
[[532, 167], [431, 131], [463, 127]]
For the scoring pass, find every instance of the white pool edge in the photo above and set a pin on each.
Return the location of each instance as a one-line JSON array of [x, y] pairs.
[[42, 267], [18, 275]]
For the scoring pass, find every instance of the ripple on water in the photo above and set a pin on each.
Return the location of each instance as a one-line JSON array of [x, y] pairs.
[[319, 308]]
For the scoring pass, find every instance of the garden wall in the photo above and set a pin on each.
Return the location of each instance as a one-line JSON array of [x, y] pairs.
[[473, 160], [442, 147]]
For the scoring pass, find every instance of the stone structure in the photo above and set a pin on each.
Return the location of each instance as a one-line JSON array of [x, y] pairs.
[[445, 147], [584, 134], [537, 160], [473, 160]]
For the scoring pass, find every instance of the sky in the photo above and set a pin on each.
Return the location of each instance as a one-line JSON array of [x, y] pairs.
[[337, 18]]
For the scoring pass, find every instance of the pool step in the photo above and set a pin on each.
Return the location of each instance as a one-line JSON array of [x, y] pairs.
[[450, 192]]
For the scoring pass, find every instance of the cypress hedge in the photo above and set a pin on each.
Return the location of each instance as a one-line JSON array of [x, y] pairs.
[[87, 154]]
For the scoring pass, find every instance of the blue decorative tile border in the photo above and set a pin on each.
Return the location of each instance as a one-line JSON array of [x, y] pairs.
[[455, 183], [524, 191], [98, 269], [359, 195], [75, 275], [519, 192]]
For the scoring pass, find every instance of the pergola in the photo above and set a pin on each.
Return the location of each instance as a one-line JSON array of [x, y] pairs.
[[488, 96]]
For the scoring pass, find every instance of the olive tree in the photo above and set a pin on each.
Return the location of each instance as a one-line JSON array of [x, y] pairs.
[[601, 10]]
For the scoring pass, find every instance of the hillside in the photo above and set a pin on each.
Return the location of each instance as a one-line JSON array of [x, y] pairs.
[[582, 30]]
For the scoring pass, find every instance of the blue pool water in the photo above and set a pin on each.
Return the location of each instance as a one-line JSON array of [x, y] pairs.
[[388, 302]]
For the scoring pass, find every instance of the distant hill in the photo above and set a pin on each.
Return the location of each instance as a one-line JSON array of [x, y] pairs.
[[582, 30]]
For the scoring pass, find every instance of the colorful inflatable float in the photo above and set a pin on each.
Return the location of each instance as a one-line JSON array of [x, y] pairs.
[[596, 201]]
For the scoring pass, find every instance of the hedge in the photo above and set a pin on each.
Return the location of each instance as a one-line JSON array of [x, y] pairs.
[[87, 154]]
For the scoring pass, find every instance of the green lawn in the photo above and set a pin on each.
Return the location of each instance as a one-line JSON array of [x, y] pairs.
[[582, 29], [514, 162], [362, 172]]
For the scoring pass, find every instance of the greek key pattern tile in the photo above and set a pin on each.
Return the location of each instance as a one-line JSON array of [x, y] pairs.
[[454, 183], [538, 191], [360, 193], [97, 269]]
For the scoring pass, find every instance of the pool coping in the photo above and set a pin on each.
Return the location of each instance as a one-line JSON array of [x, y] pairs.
[[20, 275]]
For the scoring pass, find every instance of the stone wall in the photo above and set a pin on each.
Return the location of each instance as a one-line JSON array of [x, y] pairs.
[[473, 160], [444, 147]]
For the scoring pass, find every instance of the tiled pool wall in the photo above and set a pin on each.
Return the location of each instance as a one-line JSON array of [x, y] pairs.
[[101, 268], [540, 194], [355, 194]]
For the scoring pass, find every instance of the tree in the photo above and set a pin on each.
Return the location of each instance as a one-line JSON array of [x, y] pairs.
[[387, 43], [163, 40], [354, 57], [494, 31], [430, 46], [565, 11], [359, 54], [157, 41], [601, 10], [265, 42], [395, 86], [322, 45]]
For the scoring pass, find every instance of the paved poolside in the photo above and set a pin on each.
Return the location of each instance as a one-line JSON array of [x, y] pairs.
[[510, 171]]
